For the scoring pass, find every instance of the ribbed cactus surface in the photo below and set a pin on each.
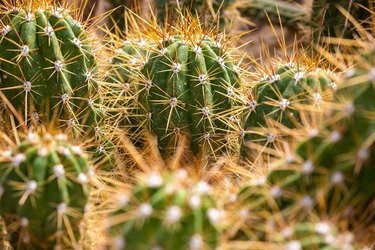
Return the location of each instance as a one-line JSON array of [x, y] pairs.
[[44, 188], [166, 211], [330, 173], [47, 64], [179, 85], [282, 97]]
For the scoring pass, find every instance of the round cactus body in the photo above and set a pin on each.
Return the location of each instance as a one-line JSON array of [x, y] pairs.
[[189, 90], [47, 67], [282, 97], [166, 212], [44, 187]]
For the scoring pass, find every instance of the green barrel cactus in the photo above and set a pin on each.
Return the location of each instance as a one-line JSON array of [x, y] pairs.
[[178, 86], [281, 97], [44, 184], [47, 64], [169, 211]]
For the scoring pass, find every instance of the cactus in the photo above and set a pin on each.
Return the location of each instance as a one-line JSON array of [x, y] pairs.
[[330, 173], [168, 211], [44, 187], [281, 97], [188, 87], [47, 65]]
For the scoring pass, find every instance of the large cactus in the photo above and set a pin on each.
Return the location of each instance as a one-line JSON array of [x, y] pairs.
[[47, 65], [167, 211], [44, 188], [188, 87]]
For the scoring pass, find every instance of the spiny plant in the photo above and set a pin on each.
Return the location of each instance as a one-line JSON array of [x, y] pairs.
[[189, 86], [44, 184], [168, 211], [47, 64], [331, 173], [279, 95]]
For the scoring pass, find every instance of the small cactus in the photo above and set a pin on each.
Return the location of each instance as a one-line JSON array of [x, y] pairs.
[[44, 184], [47, 64], [166, 211], [281, 96]]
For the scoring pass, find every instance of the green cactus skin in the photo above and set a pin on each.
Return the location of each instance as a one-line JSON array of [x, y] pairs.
[[170, 211], [44, 188], [331, 173], [47, 65], [189, 90], [282, 97]]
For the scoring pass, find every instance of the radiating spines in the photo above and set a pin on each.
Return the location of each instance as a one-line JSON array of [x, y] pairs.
[[289, 96], [48, 66], [166, 210], [182, 84], [45, 183]]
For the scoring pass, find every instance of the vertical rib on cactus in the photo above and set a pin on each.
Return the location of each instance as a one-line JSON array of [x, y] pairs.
[[45, 187], [47, 64], [188, 86]]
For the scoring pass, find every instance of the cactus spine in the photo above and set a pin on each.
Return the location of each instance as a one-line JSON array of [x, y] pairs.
[[44, 188], [47, 64]]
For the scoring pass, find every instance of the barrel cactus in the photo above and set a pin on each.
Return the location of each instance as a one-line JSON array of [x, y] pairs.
[[44, 184], [48, 67], [166, 211], [280, 97], [179, 83]]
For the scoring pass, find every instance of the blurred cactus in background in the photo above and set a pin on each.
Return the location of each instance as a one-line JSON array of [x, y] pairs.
[[45, 182]]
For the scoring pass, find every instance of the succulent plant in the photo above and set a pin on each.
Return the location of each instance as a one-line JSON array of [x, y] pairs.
[[168, 211], [44, 184], [188, 87], [331, 172], [281, 97], [48, 67]]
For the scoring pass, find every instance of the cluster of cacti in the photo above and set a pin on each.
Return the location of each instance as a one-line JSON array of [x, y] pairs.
[[195, 144], [47, 65], [166, 211], [179, 85], [44, 185], [330, 173]]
